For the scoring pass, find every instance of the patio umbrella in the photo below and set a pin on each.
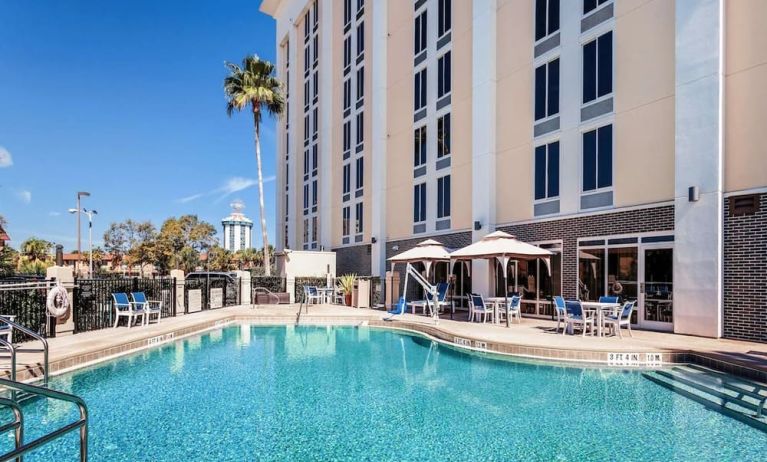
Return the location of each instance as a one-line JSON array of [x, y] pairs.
[[503, 247], [426, 252]]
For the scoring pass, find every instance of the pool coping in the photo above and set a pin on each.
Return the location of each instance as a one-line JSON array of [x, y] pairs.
[[647, 359]]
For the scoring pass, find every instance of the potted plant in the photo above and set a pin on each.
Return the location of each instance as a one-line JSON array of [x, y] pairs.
[[346, 285]]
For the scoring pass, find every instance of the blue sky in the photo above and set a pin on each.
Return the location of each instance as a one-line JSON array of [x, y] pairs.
[[124, 99]]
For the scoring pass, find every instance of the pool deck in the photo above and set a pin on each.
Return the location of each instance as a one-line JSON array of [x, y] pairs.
[[532, 338]]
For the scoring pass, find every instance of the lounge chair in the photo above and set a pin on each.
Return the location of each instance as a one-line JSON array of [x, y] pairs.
[[515, 303], [561, 309], [477, 308], [576, 316], [621, 319], [150, 307], [125, 308]]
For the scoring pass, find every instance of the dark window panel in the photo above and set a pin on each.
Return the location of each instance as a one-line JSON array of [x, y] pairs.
[[605, 77], [540, 172], [589, 71], [605, 161], [553, 16], [540, 92], [553, 99], [540, 19], [553, 170], [589, 160]]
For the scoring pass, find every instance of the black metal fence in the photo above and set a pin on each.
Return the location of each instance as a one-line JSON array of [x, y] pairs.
[[206, 293], [93, 306], [27, 305], [274, 284]]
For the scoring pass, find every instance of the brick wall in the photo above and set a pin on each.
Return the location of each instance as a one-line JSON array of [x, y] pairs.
[[745, 273], [569, 230], [354, 259]]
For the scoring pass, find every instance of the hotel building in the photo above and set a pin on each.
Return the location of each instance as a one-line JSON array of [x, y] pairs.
[[237, 228], [623, 135]]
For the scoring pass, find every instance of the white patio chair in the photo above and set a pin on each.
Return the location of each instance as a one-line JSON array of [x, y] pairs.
[[515, 305], [478, 308], [561, 309], [311, 295], [150, 307], [575, 315], [125, 308], [621, 319]]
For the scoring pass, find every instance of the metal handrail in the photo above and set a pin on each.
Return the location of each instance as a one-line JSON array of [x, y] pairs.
[[14, 350], [23, 448], [17, 425], [268, 292]]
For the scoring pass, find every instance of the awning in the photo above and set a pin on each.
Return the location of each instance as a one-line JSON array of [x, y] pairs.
[[426, 252]]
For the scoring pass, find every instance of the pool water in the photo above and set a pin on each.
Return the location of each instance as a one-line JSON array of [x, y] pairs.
[[340, 393]]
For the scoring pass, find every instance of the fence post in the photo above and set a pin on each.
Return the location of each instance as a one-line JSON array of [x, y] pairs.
[[245, 291], [178, 282], [65, 275], [290, 288]]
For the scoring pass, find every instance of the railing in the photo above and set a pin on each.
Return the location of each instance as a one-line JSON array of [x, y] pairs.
[[25, 299], [22, 448], [14, 349], [263, 290]]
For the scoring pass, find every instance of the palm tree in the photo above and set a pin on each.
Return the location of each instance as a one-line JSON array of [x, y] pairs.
[[36, 249], [254, 85]]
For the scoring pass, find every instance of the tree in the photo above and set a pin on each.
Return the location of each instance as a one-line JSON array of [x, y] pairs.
[[9, 260], [254, 85], [180, 242], [247, 258], [35, 249], [219, 259]]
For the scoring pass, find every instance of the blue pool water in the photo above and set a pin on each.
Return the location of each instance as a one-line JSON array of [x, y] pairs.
[[315, 393]]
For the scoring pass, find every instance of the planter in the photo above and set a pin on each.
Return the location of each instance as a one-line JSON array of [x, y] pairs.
[[348, 299]]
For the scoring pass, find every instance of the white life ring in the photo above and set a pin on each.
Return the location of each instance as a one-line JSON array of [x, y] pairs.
[[57, 302]]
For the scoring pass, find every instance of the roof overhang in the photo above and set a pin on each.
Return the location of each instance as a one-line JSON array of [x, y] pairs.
[[270, 7]]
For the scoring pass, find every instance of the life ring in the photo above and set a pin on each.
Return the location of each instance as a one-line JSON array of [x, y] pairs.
[[57, 302]]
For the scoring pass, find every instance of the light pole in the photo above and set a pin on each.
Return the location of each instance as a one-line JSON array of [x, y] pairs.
[[90, 214], [79, 195]]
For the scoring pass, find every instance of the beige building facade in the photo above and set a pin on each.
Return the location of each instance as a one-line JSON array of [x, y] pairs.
[[623, 135]]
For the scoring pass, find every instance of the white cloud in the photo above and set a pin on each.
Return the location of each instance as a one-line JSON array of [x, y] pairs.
[[5, 158], [24, 196], [230, 186]]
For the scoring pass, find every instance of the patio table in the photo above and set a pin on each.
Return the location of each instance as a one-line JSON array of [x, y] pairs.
[[600, 309], [496, 301], [326, 293]]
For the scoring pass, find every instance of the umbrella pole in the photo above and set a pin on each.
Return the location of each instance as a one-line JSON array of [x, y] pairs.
[[506, 294]]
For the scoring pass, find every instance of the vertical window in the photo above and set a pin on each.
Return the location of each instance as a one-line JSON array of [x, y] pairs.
[[306, 231], [598, 67], [598, 158], [347, 179], [419, 146], [346, 217], [347, 135], [314, 228], [360, 83], [358, 218], [315, 121], [547, 90], [360, 128], [547, 171], [307, 94], [347, 11], [444, 17], [306, 196], [347, 93], [546, 18], [306, 127], [420, 89], [315, 160], [307, 58], [360, 4], [316, 49], [314, 192], [443, 75], [316, 84], [443, 136], [443, 196], [360, 38], [347, 51], [419, 203], [420, 33], [360, 173], [591, 5], [306, 162]]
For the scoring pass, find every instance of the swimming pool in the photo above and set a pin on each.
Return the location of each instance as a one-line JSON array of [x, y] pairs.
[[340, 393]]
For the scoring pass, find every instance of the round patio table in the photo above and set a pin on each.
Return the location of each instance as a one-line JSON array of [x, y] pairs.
[[600, 309]]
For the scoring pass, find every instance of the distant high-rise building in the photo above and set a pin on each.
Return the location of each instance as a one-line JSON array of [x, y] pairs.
[[237, 229]]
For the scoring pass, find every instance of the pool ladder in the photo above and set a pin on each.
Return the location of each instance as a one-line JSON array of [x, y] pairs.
[[20, 392]]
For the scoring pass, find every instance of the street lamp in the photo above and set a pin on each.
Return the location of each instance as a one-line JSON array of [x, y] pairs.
[[90, 214], [79, 195]]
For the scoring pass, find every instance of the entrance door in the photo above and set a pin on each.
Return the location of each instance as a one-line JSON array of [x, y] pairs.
[[656, 307]]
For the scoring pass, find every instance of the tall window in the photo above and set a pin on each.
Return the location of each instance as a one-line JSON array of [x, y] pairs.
[[546, 18], [306, 162], [358, 218], [443, 75], [547, 171], [347, 11], [419, 146], [306, 231], [314, 230], [443, 136], [360, 38], [347, 135], [306, 128], [315, 121], [598, 158], [315, 160], [347, 94], [347, 179], [591, 5], [419, 203], [443, 196], [347, 51], [444, 17], [420, 33], [306, 195], [314, 192], [598, 67], [360, 173], [360, 83], [346, 218], [420, 89], [547, 90], [360, 128]]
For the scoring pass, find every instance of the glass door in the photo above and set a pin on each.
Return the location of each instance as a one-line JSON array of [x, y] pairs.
[[656, 307]]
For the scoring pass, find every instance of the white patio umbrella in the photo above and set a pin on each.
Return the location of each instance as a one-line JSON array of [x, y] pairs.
[[502, 247], [426, 252]]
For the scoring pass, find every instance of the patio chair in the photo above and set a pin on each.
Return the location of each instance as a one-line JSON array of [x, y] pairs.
[[6, 331], [477, 308], [399, 308], [125, 308], [150, 307], [442, 290], [608, 299], [561, 309], [515, 304], [576, 316], [339, 298], [622, 319], [311, 295]]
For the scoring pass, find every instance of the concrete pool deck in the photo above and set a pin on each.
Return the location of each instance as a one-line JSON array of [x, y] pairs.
[[532, 338]]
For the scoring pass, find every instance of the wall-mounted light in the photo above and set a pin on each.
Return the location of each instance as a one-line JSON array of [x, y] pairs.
[[477, 225], [395, 247], [373, 240], [693, 194]]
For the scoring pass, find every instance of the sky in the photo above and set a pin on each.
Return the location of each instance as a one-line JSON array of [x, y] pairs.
[[124, 99]]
